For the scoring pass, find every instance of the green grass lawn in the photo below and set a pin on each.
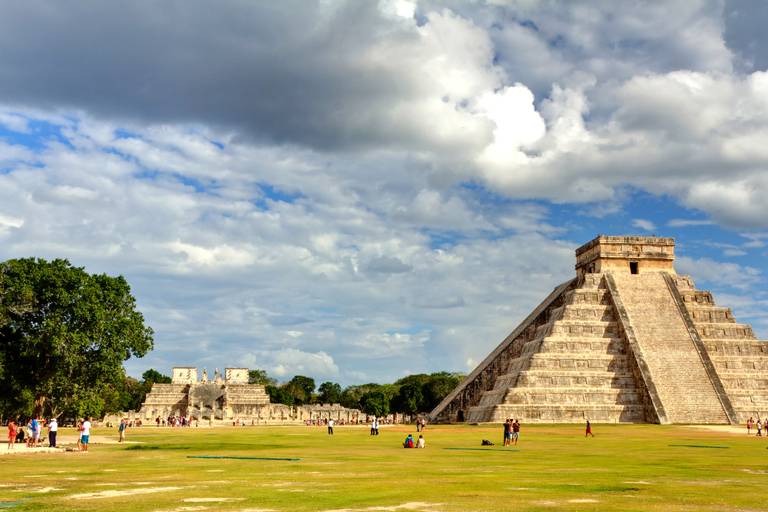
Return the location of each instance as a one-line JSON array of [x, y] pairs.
[[625, 467]]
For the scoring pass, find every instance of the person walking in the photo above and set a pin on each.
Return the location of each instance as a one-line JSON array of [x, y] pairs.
[[589, 430], [53, 427], [123, 426]]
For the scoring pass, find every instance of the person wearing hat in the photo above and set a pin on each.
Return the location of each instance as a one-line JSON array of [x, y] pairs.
[[53, 426]]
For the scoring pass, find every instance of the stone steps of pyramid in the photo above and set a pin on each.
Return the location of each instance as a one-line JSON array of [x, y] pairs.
[[573, 396], [570, 328], [681, 380], [570, 345], [547, 379], [559, 362], [592, 297], [727, 364], [565, 397], [711, 314], [757, 350], [574, 413], [725, 331], [585, 312], [694, 298]]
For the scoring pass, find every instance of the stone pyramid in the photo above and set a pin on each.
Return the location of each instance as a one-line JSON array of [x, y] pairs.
[[626, 340]]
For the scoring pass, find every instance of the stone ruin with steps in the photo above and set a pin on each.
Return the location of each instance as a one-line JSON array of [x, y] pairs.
[[627, 340], [225, 398]]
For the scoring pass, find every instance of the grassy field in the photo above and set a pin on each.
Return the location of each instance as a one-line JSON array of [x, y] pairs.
[[625, 467]]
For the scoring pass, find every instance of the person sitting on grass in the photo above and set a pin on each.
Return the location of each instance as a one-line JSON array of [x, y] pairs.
[[421, 443], [408, 442]]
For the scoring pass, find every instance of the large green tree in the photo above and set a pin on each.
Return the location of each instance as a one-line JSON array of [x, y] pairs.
[[64, 334], [409, 398], [260, 377], [301, 388], [375, 403], [330, 393]]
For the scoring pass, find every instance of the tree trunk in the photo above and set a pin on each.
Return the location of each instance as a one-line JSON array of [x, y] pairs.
[[39, 404]]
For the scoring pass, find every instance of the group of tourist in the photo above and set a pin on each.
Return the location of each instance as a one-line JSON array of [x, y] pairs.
[[31, 433], [760, 425], [511, 431], [35, 426], [420, 443]]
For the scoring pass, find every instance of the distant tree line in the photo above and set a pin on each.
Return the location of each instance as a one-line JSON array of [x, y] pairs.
[[64, 335], [413, 394]]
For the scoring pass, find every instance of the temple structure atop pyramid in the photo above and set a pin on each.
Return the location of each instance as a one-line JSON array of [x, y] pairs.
[[626, 340]]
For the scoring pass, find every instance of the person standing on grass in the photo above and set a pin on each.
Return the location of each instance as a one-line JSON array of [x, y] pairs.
[[589, 430], [85, 430], [35, 432], [759, 428], [749, 425], [11, 434], [330, 426], [507, 433], [423, 424], [53, 427], [516, 431], [122, 431], [376, 425], [373, 425]]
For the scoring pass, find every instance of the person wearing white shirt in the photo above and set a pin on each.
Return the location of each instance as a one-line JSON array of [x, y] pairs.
[[53, 427], [85, 431]]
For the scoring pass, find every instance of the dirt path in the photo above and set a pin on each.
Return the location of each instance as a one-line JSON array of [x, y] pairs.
[[71, 440]]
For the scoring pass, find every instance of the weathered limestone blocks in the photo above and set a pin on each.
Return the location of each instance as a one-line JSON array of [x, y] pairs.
[[627, 340], [227, 397]]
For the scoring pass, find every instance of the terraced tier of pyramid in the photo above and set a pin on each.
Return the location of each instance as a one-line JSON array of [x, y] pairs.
[[627, 340]]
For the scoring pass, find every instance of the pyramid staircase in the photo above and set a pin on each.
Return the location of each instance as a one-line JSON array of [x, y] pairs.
[[628, 340], [577, 362]]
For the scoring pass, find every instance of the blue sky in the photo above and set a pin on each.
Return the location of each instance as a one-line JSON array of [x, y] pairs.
[[356, 191]]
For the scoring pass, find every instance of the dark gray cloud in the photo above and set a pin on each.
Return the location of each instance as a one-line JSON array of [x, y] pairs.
[[745, 35], [286, 71], [386, 265]]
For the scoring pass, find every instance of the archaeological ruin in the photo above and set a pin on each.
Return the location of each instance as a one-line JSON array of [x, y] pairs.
[[227, 397], [626, 340]]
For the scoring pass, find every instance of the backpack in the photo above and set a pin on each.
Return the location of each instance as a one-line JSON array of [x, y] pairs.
[[409, 442], [486, 443]]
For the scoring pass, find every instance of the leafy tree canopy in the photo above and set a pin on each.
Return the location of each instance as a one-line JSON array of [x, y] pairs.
[[279, 395], [260, 377], [302, 388], [330, 393], [64, 334], [375, 403], [151, 376], [409, 398]]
